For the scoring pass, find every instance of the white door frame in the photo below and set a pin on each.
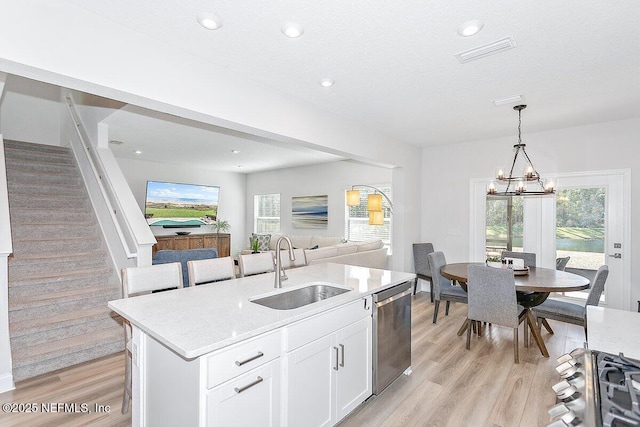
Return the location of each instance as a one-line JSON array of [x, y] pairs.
[[540, 231]]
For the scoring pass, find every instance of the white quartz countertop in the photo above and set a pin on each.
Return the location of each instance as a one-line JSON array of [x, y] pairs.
[[197, 320], [613, 331]]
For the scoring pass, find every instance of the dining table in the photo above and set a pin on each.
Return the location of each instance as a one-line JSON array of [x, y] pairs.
[[532, 289]]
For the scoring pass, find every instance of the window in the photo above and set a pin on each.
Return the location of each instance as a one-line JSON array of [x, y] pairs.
[[504, 225], [266, 213], [357, 226]]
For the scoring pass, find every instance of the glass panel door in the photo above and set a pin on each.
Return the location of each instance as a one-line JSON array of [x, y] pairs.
[[580, 231], [504, 225]]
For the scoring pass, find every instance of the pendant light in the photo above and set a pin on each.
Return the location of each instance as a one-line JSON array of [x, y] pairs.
[[527, 184]]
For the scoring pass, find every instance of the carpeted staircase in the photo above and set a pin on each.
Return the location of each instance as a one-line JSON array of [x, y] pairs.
[[60, 274]]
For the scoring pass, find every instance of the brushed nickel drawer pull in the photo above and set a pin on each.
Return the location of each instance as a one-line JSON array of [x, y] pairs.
[[241, 389], [336, 367], [342, 353], [251, 359]]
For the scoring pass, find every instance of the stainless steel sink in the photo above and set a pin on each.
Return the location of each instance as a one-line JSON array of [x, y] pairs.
[[300, 297]]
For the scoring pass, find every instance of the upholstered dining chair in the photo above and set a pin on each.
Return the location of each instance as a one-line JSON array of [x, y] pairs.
[[492, 299], [528, 257], [210, 270], [561, 263], [137, 281], [251, 264], [568, 312], [421, 265], [300, 261], [442, 287]]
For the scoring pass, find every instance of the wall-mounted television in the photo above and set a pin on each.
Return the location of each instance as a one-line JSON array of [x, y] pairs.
[[173, 204]]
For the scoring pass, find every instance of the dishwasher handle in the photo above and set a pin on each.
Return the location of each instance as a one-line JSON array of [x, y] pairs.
[[385, 294], [393, 298]]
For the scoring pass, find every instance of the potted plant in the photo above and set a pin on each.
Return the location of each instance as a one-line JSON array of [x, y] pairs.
[[221, 225], [494, 261], [255, 246]]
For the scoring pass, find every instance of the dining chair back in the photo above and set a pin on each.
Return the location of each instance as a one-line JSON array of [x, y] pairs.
[[567, 312], [137, 281], [443, 289], [492, 299], [421, 265], [250, 264], [528, 257], [300, 261], [210, 270], [561, 263]]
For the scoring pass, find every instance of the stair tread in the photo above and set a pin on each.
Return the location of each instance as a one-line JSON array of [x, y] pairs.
[[30, 354], [78, 273], [36, 300], [72, 254], [60, 320]]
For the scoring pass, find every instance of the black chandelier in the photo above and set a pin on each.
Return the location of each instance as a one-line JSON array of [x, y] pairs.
[[521, 185]]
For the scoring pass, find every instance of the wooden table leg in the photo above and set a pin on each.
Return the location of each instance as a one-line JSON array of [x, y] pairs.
[[463, 328], [531, 320]]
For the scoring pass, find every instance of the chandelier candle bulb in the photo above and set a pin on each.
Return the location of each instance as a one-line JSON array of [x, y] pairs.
[[500, 173], [549, 186], [529, 172], [491, 189]]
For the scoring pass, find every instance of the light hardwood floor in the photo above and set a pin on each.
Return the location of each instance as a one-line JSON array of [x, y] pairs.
[[450, 386]]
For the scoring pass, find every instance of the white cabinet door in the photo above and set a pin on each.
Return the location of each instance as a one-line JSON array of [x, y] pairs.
[[310, 383], [354, 374], [252, 399]]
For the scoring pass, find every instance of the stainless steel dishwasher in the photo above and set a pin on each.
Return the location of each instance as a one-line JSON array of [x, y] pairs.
[[391, 335]]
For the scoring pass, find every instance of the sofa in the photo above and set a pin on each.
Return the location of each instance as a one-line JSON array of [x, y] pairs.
[[318, 249]]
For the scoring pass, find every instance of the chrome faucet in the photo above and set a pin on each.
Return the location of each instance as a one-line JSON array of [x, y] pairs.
[[280, 274]]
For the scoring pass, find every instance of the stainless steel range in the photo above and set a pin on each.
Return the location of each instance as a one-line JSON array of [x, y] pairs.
[[597, 389]]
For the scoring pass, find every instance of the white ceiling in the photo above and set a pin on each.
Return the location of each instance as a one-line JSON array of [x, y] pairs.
[[577, 62]]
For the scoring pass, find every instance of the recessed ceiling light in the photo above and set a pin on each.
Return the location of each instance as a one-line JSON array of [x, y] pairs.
[[292, 30], [138, 152], [235, 151], [210, 21], [470, 28], [327, 82]]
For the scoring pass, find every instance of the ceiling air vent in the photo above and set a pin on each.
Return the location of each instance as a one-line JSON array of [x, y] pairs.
[[116, 142], [486, 50]]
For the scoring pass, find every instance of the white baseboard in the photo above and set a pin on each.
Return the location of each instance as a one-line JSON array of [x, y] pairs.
[[6, 383]]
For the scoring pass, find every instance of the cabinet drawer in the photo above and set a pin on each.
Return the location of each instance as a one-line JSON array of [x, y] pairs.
[[242, 357], [252, 399], [322, 324]]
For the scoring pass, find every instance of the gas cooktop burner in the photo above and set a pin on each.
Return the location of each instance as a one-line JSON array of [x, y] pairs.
[[619, 394]]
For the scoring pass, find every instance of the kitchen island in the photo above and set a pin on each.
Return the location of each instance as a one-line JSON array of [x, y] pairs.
[[204, 355]]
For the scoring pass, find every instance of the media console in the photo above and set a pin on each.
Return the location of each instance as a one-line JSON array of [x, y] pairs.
[[219, 241]]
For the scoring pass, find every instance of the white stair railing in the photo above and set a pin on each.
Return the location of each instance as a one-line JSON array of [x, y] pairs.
[[100, 171]]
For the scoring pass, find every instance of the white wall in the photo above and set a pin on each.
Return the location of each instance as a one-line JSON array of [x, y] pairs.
[[331, 179], [31, 112], [232, 205], [447, 171]]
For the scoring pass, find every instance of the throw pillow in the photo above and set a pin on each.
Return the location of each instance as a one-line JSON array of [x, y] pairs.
[[263, 240]]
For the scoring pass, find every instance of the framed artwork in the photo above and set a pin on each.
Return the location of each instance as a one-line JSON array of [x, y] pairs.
[[310, 211]]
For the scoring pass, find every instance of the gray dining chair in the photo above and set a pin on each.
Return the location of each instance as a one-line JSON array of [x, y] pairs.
[[528, 257], [567, 312], [443, 290], [492, 299], [561, 263], [421, 265]]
